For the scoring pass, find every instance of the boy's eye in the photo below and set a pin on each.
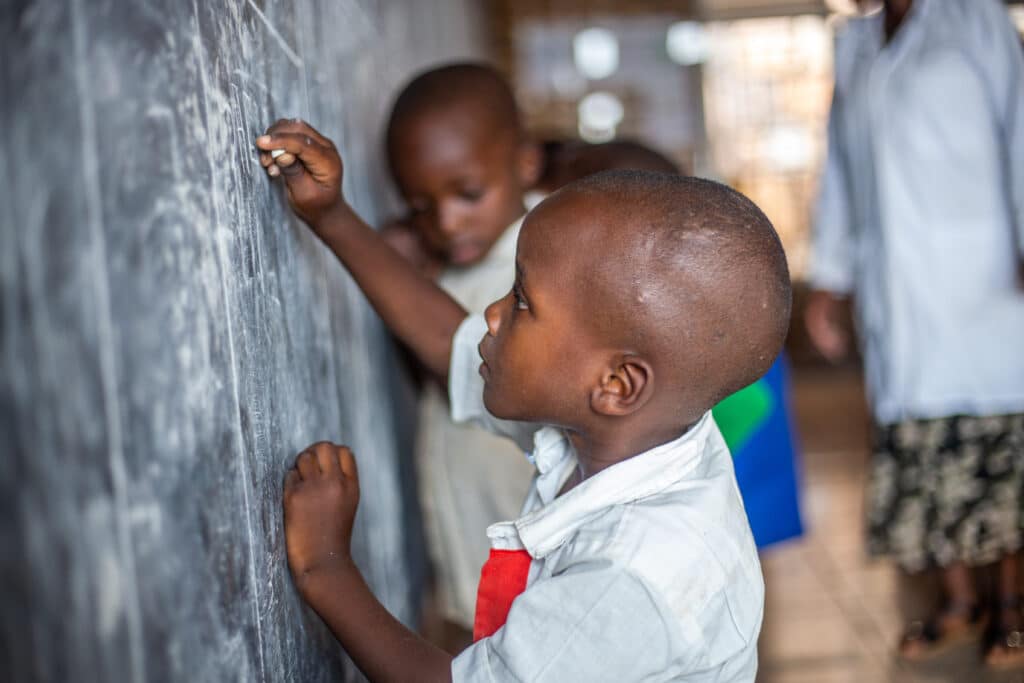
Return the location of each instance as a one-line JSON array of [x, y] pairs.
[[471, 194], [519, 301]]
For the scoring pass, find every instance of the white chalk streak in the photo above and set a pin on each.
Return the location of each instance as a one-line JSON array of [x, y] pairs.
[[288, 51], [105, 332], [224, 262]]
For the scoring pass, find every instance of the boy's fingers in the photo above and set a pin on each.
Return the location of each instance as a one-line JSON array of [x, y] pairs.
[[291, 479], [267, 162], [347, 461], [286, 159], [293, 170], [307, 465], [305, 148], [298, 126], [325, 457], [295, 143], [288, 126]]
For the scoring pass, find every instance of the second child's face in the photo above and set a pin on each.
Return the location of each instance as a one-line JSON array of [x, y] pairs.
[[464, 185]]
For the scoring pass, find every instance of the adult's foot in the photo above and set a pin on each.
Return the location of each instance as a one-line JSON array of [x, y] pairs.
[[953, 625], [1004, 642]]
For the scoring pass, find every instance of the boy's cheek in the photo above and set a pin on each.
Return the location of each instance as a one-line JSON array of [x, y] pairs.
[[496, 402], [491, 403], [507, 400]]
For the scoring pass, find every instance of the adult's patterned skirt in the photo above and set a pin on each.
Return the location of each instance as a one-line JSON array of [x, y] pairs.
[[947, 490]]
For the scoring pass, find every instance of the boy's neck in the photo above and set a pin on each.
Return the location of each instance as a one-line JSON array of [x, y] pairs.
[[599, 451]]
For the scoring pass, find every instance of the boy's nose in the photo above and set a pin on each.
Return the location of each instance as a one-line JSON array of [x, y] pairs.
[[449, 220], [492, 314]]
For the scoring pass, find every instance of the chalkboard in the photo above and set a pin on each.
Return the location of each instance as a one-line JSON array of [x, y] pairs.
[[171, 337]]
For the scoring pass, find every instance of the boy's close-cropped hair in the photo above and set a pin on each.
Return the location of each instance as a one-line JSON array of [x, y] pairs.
[[683, 273]]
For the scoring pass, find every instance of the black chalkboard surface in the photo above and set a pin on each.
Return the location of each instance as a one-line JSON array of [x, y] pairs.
[[171, 337]]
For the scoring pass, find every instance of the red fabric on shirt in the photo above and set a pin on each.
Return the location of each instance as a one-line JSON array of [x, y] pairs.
[[502, 578]]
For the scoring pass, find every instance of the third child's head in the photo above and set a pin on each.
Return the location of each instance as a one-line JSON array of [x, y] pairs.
[[641, 300], [460, 159]]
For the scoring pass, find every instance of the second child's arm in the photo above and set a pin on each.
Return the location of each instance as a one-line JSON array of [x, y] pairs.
[[416, 310]]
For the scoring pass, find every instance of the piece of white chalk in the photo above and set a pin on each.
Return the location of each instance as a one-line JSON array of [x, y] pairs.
[[276, 153]]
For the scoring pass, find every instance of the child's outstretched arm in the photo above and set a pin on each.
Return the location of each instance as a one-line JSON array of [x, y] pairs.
[[320, 497], [416, 310]]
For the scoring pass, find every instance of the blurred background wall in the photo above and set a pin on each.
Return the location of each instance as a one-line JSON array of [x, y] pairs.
[[737, 90]]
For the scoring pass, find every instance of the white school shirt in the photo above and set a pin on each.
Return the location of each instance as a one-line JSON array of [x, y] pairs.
[[921, 213], [646, 571]]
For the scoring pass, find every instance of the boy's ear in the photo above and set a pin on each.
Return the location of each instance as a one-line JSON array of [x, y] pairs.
[[625, 387], [530, 163]]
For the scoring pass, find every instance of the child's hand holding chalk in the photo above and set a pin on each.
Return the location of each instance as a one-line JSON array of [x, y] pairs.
[[309, 163]]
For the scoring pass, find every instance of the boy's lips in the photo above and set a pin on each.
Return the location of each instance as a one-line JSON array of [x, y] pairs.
[[465, 252], [484, 369]]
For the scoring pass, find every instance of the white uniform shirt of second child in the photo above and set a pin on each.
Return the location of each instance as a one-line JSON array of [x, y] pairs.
[[646, 571]]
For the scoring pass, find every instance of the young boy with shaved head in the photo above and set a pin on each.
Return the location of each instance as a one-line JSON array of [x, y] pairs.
[[461, 159], [462, 163], [640, 300]]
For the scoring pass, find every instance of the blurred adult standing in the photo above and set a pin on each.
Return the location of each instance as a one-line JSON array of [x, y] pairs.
[[921, 221]]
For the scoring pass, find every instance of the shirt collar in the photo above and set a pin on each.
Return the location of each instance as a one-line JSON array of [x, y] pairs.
[[546, 528]]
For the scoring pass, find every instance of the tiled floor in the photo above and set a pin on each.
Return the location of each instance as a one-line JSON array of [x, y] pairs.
[[832, 616]]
